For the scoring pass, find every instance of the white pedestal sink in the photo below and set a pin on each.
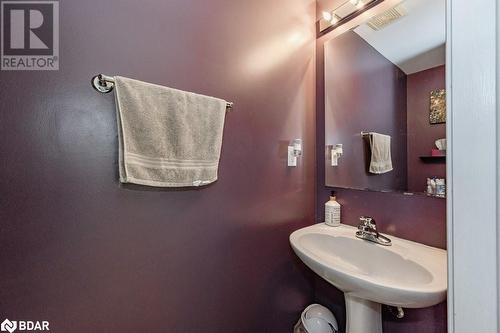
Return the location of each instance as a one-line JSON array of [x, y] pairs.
[[406, 274]]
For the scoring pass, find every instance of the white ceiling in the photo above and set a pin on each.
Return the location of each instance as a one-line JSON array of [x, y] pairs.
[[414, 42]]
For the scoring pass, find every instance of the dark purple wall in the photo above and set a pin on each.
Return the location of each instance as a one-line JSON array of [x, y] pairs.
[[90, 255], [363, 92], [421, 134], [417, 218]]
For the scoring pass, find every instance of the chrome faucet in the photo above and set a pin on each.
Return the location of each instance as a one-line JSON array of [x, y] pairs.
[[367, 230]]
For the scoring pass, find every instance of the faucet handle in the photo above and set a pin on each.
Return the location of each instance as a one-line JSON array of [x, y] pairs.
[[367, 221]]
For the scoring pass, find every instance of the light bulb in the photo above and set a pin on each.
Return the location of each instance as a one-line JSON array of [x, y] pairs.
[[335, 19], [354, 2], [327, 16], [360, 4]]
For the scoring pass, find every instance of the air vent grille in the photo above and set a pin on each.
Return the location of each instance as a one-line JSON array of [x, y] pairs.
[[389, 16]]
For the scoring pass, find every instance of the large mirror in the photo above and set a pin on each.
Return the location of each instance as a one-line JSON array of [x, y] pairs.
[[385, 101]]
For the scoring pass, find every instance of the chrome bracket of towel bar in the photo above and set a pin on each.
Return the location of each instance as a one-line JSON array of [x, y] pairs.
[[105, 84], [363, 133]]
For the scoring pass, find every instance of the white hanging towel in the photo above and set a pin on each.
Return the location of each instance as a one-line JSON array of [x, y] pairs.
[[167, 137], [381, 161]]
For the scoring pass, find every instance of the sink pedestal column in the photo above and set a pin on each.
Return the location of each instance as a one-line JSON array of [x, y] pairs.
[[362, 316]]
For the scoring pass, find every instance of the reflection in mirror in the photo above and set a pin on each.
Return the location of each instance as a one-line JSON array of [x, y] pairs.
[[385, 101]]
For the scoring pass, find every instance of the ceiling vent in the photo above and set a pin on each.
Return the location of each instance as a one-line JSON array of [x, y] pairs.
[[388, 17]]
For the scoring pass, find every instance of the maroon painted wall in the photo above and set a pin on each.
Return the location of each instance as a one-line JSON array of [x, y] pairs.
[[421, 134], [363, 92], [417, 218], [90, 255]]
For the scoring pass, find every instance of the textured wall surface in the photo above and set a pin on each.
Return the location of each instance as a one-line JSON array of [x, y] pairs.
[[417, 218], [90, 255], [421, 134], [363, 92]]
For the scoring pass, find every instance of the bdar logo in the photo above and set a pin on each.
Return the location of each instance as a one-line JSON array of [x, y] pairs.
[[8, 326], [24, 325]]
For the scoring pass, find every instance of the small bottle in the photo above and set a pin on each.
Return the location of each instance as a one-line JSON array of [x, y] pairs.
[[332, 212], [429, 187], [441, 188], [433, 186]]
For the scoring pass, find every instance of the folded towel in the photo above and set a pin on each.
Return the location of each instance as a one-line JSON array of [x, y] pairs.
[[167, 137], [381, 161]]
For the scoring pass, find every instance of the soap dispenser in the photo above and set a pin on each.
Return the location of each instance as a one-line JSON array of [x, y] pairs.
[[332, 211]]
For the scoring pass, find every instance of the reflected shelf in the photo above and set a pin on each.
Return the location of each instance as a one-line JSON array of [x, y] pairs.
[[433, 159]]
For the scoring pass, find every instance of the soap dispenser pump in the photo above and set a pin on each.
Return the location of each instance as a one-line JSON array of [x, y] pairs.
[[332, 211]]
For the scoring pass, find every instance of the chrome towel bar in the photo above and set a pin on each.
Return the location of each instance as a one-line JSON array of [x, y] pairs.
[[105, 84]]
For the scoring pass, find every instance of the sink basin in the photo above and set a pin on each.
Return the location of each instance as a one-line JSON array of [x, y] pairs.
[[406, 274]]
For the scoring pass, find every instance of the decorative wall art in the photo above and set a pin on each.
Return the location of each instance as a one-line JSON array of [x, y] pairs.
[[437, 113]]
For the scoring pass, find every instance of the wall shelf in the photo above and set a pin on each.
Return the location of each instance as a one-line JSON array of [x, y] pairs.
[[433, 159]]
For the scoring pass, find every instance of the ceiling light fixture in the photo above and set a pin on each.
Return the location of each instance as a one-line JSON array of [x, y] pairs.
[[346, 11], [335, 19], [327, 16], [360, 4]]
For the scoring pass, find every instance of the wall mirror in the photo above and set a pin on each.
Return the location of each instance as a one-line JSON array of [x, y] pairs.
[[385, 107]]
